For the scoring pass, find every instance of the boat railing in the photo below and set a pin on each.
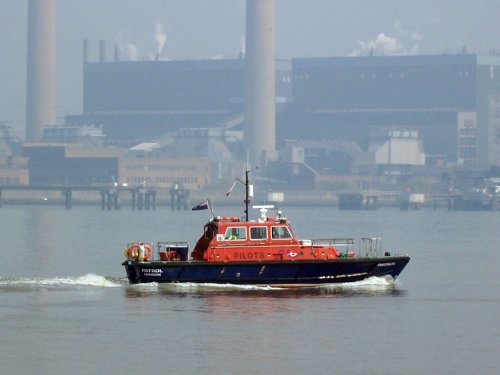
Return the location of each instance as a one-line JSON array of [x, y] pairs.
[[368, 246], [172, 250], [345, 246]]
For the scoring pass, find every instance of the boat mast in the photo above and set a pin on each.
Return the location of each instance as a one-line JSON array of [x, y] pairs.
[[247, 194], [248, 190]]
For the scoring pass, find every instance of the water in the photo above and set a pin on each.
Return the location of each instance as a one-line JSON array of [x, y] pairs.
[[65, 307]]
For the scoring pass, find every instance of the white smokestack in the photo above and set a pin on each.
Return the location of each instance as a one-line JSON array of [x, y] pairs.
[[260, 108], [41, 68]]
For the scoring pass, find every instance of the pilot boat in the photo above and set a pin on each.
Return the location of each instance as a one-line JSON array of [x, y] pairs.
[[264, 251]]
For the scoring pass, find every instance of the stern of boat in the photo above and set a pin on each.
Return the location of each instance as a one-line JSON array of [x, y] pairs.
[[131, 270]]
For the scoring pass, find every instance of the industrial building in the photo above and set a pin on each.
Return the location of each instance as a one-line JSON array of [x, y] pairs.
[[192, 174], [74, 165], [59, 164], [451, 101], [136, 101], [13, 168]]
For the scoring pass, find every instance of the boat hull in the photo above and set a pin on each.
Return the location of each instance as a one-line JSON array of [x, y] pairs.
[[282, 273]]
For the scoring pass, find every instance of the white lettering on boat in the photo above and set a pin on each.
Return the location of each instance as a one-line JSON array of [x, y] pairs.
[[152, 271], [386, 264], [343, 275]]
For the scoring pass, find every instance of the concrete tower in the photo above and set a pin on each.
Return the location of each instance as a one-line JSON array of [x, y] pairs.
[[260, 106], [41, 72]]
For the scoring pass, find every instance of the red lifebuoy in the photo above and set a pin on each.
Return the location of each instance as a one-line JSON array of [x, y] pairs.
[[148, 253], [133, 251]]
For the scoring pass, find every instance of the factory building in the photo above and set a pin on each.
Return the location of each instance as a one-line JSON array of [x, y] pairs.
[[13, 168], [59, 164], [69, 164], [136, 101], [452, 101], [192, 174]]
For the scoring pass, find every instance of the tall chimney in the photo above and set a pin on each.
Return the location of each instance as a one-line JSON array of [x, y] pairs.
[[41, 68], [117, 54], [102, 51], [260, 106], [85, 51]]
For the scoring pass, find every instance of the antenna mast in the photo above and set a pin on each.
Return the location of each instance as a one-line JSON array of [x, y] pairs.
[[248, 190], [247, 194]]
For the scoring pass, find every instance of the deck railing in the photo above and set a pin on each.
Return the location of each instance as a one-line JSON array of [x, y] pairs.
[[368, 246]]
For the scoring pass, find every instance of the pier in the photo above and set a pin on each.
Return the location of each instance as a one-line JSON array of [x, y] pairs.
[[358, 201], [179, 198], [466, 202], [109, 197], [141, 197]]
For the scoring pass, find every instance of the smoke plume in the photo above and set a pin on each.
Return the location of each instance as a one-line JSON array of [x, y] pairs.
[[132, 52], [384, 44], [161, 38]]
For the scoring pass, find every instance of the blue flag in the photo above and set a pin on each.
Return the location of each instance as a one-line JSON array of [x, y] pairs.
[[202, 206]]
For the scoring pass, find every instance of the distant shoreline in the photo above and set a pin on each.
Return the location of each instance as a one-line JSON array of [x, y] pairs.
[[311, 198]]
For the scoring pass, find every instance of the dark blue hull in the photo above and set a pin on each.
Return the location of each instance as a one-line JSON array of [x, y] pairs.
[[285, 273]]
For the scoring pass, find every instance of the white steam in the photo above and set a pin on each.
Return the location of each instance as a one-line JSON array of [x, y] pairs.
[[128, 49], [381, 45], [384, 44], [132, 52], [161, 39]]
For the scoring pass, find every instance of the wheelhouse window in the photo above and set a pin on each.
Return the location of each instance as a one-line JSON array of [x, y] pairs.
[[235, 233], [258, 233], [280, 232]]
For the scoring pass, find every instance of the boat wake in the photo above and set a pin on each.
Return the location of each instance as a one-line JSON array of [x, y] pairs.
[[372, 285], [89, 280], [181, 288], [222, 287]]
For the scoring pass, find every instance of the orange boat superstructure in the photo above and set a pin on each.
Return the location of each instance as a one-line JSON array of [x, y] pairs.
[[229, 239]]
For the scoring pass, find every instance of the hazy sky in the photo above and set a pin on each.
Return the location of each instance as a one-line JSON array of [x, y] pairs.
[[203, 29]]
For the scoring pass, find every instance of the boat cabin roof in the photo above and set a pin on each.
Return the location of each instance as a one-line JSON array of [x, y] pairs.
[[232, 228]]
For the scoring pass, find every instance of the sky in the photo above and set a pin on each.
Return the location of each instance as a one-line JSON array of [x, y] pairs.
[[205, 29]]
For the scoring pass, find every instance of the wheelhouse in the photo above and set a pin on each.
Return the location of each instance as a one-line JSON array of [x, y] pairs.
[[224, 232]]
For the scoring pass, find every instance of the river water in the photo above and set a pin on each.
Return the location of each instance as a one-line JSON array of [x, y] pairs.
[[66, 308]]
